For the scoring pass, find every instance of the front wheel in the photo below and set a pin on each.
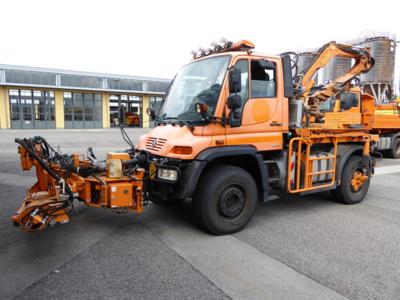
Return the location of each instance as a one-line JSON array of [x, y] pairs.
[[225, 199], [354, 184]]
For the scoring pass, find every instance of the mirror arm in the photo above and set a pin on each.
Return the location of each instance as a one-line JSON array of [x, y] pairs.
[[223, 119]]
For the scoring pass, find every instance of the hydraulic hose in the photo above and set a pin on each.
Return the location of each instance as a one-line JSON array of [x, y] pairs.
[[85, 172], [142, 158], [45, 166]]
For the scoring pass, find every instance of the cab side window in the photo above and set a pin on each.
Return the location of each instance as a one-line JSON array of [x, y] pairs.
[[263, 80], [243, 66]]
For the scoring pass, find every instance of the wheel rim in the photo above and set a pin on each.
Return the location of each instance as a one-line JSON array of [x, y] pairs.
[[231, 202], [357, 181]]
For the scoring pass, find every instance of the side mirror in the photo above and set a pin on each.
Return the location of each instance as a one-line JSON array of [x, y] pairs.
[[235, 80], [202, 109], [151, 113], [234, 102]]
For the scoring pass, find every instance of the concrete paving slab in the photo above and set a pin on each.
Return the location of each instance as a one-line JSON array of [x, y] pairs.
[[241, 271], [129, 263], [352, 250]]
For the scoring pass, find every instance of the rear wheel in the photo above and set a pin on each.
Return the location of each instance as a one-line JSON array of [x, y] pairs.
[[225, 199], [354, 184], [394, 152]]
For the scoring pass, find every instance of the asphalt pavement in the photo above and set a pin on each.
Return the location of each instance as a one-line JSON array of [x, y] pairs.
[[294, 248]]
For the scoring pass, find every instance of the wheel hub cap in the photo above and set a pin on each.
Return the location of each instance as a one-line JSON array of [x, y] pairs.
[[231, 202], [358, 180]]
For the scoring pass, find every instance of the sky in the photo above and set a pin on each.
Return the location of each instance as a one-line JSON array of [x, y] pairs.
[[155, 38]]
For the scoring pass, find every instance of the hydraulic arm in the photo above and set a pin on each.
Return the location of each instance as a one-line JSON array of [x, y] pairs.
[[304, 82]]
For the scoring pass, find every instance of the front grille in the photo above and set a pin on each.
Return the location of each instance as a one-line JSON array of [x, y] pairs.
[[155, 144]]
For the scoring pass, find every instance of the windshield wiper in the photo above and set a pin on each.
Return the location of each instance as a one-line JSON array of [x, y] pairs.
[[174, 120]]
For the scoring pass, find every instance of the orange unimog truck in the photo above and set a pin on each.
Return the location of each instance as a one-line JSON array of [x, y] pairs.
[[235, 125]]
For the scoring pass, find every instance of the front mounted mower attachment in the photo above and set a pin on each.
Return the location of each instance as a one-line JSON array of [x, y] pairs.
[[116, 183]]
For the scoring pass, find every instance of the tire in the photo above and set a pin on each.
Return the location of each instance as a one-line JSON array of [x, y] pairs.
[[346, 193], [394, 152], [225, 199]]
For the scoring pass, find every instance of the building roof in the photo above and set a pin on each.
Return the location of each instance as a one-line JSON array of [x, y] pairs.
[[12, 75]]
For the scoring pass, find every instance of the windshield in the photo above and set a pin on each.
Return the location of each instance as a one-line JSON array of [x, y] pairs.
[[199, 81]]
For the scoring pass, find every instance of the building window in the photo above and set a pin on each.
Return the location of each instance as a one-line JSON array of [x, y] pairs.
[[30, 77], [32, 108], [81, 81], [129, 106], [82, 110]]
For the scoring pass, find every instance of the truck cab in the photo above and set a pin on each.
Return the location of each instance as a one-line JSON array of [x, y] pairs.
[[260, 119]]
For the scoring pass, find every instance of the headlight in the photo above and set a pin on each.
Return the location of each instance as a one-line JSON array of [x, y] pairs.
[[168, 174]]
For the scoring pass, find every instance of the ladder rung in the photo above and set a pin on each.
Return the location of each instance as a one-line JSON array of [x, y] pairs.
[[273, 180], [321, 158], [321, 172]]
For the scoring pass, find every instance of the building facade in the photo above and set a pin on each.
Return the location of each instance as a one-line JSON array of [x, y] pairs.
[[39, 98]]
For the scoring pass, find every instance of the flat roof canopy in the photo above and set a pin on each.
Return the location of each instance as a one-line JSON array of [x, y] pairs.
[[11, 75]]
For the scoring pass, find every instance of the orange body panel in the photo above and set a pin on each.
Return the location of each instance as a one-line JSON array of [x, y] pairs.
[[262, 119], [386, 117], [168, 136], [342, 119], [120, 195], [386, 122], [118, 155]]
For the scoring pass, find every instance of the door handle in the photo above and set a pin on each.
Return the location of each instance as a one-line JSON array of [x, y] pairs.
[[275, 123]]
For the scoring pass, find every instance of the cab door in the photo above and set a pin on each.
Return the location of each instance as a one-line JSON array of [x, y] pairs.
[[261, 112]]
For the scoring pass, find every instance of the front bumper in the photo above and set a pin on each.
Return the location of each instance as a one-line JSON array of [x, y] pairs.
[[160, 190]]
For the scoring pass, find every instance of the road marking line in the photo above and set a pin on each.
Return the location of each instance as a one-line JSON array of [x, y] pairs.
[[387, 170], [239, 270]]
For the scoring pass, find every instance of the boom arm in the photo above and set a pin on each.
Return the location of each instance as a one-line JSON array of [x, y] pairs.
[[304, 82]]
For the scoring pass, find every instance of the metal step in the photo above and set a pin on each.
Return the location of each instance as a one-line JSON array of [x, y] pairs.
[[273, 180]]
